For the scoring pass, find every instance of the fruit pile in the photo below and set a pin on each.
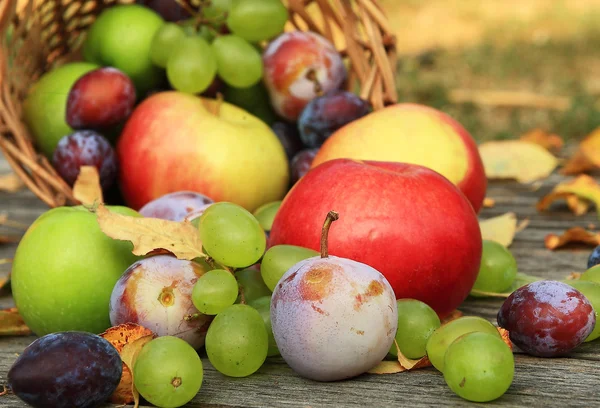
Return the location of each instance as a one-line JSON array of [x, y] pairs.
[[285, 89]]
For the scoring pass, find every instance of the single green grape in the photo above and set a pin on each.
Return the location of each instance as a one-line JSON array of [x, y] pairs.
[[591, 290], [592, 274], [416, 322], [279, 258], [164, 42], [192, 66], [231, 235], [265, 214], [251, 285], [498, 269], [237, 342], [443, 336], [239, 64], [168, 372], [257, 20], [263, 305], [479, 367], [215, 291]]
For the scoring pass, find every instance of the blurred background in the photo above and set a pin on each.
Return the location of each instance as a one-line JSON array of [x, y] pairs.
[[502, 67]]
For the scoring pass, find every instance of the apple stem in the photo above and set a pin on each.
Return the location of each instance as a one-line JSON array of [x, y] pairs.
[[331, 217]]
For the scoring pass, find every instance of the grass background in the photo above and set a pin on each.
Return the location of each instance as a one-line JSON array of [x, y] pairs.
[[542, 48]]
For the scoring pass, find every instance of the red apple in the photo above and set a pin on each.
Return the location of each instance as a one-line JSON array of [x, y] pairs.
[[405, 220], [413, 133]]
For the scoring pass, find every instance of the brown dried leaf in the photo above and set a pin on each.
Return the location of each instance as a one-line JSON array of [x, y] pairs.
[[12, 324], [583, 187], [150, 234], [505, 336], [489, 202], [87, 187], [502, 228], [571, 236], [548, 141], [387, 367], [587, 157], [119, 336], [129, 355], [10, 183], [516, 159]]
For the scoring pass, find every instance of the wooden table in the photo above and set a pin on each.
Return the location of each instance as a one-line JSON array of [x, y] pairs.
[[538, 382]]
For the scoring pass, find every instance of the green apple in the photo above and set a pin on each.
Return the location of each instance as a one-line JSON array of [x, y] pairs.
[[121, 37], [45, 106], [64, 271]]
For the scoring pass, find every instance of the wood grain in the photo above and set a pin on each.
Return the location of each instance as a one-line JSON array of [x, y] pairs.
[[563, 382]]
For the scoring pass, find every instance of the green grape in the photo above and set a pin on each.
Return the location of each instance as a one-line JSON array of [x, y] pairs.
[[263, 305], [164, 42], [592, 274], [479, 367], [254, 100], [239, 64], [497, 271], [231, 235], [189, 27], [265, 214], [257, 20], [591, 290], [443, 336], [416, 322], [168, 372], [251, 285], [216, 11], [279, 258], [237, 341], [214, 291], [192, 66]]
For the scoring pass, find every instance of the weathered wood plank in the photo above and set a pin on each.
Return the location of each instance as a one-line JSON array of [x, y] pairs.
[[538, 382]]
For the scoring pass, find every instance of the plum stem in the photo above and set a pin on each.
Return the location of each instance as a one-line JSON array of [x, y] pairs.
[[331, 217], [191, 317]]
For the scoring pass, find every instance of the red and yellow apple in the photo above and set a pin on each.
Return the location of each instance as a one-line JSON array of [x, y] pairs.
[[175, 141], [405, 220], [417, 134]]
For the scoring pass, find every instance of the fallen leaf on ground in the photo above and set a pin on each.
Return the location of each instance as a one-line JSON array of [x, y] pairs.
[[548, 141], [575, 235], [129, 355], [502, 228], [119, 336], [87, 187], [12, 324], [583, 187], [4, 280], [150, 234], [587, 156], [516, 159], [489, 202], [10, 183], [452, 316], [505, 336]]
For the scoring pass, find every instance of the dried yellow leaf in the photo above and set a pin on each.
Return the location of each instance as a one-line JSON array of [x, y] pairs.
[[548, 141], [151, 234], [583, 187], [129, 355], [587, 156], [87, 187], [575, 235], [516, 159], [10, 183], [502, 228], [12, 324]]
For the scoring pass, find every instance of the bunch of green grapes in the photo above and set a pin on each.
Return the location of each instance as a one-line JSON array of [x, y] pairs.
[[221, 41]]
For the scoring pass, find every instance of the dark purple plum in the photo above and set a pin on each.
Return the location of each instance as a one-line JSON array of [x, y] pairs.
[[301, 163], [594, 258], [547, 318], [289, 137], [100, 99], [66, 369], [85, 148], [176, 206], [170, 10], [327, 113]]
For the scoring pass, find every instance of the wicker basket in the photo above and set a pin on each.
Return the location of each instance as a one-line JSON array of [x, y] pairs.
[[45, 33]]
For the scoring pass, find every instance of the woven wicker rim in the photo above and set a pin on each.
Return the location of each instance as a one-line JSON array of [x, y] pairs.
[[47, 33]]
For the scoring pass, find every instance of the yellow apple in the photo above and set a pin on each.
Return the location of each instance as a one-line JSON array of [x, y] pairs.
[[415, 134], [175, 141]]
